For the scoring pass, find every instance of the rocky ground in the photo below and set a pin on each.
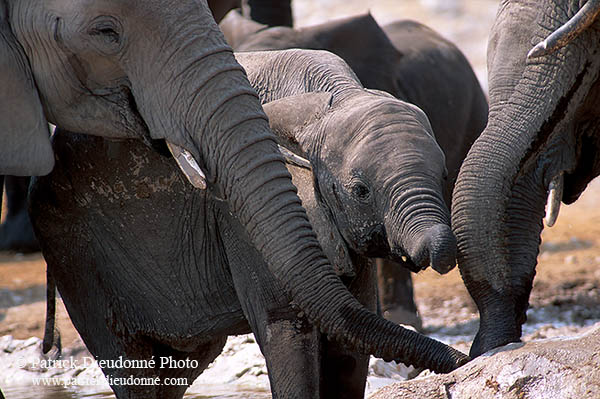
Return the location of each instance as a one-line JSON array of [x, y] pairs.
[[565, 299]]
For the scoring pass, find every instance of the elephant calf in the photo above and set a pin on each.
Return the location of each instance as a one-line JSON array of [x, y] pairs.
[[174, 273], [408, 60]]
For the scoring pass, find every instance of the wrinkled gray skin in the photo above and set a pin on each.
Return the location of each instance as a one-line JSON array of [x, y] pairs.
[[544, 120], [155, 70], [193, 276], [410, 61]]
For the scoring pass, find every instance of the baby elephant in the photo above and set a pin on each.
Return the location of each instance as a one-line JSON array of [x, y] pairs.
[[377, 165], [408, 60], [173, 272]]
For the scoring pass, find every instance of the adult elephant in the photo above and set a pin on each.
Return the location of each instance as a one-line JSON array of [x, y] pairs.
[[413, 63], [136, 236], [542, 136], [152, 70], [16, 233]]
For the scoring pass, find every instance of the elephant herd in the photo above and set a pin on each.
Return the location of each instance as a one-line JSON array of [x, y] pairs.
[[190, 192]]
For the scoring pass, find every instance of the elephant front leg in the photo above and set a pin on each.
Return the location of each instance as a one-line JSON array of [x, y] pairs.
[[291, 347]]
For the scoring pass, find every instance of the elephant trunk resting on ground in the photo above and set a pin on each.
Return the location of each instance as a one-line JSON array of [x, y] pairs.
[[543, 135], [120, 214]]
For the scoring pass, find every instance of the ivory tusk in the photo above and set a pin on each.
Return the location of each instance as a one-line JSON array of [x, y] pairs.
[[294, 159], [555, 193], [188, 166], [569, 31]]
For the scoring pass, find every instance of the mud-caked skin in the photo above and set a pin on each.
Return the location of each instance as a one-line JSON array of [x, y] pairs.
[[543, 124]]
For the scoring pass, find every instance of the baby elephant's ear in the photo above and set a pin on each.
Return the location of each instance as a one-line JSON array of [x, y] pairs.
[[289, 115], [25, 148]]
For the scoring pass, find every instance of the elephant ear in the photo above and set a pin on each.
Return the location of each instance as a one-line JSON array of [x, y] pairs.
[[323, 223], [25, 148], [290, 116]]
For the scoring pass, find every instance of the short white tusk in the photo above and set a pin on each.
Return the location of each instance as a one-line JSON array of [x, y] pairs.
[[294, 159], [188, 166], [569, 31], [555, 193]]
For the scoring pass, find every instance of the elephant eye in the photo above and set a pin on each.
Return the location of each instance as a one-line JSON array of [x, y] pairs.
[[106, 29], [361, 191]]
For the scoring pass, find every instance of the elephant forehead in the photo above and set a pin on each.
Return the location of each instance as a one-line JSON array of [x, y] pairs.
[[376, 124]]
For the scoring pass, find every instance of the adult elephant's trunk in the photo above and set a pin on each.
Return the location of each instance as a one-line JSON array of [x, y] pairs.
[[212, 111], [418, 224], [496, 203]]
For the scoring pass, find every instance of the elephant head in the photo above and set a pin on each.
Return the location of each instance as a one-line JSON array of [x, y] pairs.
[[157, 70], [377, 169], [543, 134]]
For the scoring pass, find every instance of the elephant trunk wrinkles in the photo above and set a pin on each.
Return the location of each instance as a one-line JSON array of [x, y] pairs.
[[418, 223], [247, 169], [489, 193]]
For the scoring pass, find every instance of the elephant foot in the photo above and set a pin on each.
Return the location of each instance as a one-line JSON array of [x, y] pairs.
[[16, 235], [400, 315]]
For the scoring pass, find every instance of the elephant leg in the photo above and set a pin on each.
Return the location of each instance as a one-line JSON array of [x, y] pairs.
[[288, 342], [396, 294], [291, 347], [107, 337], [16, 233], [176, 379], [344, 373]]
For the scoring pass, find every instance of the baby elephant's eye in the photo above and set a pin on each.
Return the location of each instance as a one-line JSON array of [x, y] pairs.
[[361, 191], [107, 29]]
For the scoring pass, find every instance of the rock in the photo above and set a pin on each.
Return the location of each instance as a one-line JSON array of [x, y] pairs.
[[552, 368]]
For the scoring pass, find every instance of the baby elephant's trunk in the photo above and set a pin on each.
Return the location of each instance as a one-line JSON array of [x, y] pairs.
[[419, 228], [436, 247]]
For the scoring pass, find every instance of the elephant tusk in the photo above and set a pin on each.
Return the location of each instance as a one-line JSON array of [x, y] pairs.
[[555, 193], [294, 159], [569, 31], [188, 166]]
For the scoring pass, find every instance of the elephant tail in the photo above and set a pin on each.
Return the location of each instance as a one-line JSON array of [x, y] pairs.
[[51, 332]]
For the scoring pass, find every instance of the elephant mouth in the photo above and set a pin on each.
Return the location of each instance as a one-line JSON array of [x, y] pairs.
[[377, 246], [405, 261]]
